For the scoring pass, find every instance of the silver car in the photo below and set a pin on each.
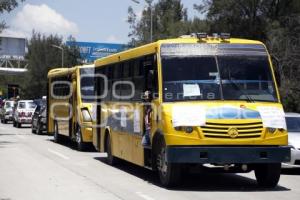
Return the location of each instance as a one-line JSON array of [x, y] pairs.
[[293, 126], [6, 113]]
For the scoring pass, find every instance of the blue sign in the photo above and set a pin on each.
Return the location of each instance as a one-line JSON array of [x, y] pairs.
[[92, 51]]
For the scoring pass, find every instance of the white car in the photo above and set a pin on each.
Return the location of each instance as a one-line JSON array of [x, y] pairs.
[[293, 126], [23, 113]]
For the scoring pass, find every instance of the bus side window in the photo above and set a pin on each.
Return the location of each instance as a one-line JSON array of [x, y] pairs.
[[117, 72], [138, 80], [126, 90], [108, 74], [151, 74]]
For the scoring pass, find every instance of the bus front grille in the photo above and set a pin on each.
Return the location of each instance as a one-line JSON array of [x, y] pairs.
[[221, 130]]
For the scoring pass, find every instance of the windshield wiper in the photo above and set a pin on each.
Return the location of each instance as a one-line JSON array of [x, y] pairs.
[[249, 98]]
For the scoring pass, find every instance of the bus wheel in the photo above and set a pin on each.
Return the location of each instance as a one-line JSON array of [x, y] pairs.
[[81, 146], [169, 173], [57, 137], [111, 160], [268, 175], [38, 129]]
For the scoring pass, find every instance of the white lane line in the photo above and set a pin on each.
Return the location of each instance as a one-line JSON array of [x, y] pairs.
[[144, 196], [59, 154]]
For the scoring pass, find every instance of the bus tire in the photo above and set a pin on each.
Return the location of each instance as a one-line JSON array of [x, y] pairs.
[[38, 129], [57, 137], [81, 146], [111, 160], [169, 173], [267, 175]]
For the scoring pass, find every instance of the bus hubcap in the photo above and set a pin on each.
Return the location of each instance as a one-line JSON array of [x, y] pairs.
[[161, 162], [78, 136]]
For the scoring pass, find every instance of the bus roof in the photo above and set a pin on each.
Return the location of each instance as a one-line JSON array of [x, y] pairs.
[[61, 72], [153, 47], [66, 71]]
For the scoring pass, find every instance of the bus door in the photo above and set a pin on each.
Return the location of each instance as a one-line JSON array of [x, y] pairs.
[[73, 109], [61, 101]]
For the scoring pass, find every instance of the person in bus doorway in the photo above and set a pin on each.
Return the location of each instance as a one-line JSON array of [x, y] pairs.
[[147, 119]]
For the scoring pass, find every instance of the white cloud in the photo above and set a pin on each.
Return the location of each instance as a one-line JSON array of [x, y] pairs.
[[112, 39], [40, 18]]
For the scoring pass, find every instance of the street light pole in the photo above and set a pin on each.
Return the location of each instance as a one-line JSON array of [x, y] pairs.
[[151, 16], [151, 21], [62, 53]]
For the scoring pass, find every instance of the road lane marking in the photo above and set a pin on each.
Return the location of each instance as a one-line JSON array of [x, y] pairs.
[[144, 196], [58, 154]]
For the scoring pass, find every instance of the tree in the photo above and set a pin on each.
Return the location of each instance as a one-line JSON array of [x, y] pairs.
[[7, 6], [275, 22], [42, 57], [169, 20]]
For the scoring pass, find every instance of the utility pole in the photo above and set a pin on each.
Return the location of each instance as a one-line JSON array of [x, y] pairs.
[[62, 53], [149, 2]]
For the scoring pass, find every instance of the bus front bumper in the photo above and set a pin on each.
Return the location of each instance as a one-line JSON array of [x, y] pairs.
[[228, 155]]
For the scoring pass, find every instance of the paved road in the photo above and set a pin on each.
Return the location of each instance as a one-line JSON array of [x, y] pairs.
[[34, 167]]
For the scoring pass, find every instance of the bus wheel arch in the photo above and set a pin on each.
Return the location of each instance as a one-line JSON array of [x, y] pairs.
[[169, 173], [157, 138], [81, 145]]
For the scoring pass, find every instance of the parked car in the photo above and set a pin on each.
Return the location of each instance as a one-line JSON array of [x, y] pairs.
[[39, 122], [23, 113], [293, 126], [6, 112]]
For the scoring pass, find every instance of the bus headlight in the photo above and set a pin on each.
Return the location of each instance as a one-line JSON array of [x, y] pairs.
[[271, 130], [187, 129], [86, 115]]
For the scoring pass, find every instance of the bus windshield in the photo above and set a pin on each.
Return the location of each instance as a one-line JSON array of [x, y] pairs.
[[221, 77], [87, 84]]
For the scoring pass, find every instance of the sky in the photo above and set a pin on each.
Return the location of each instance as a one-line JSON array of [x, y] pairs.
[[86, 20]]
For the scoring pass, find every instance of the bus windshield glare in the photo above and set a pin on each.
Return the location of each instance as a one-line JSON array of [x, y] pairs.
[[221, 77]]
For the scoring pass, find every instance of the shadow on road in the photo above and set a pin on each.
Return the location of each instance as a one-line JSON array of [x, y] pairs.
[[5, 143], [292, 171], [199, 181], [72, 145]]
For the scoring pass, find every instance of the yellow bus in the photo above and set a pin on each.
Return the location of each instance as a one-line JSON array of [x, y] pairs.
[[214, 103], [70, 104]]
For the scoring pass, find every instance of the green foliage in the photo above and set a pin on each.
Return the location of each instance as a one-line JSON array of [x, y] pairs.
[[42, 57], [169, 20], [276, 23]]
